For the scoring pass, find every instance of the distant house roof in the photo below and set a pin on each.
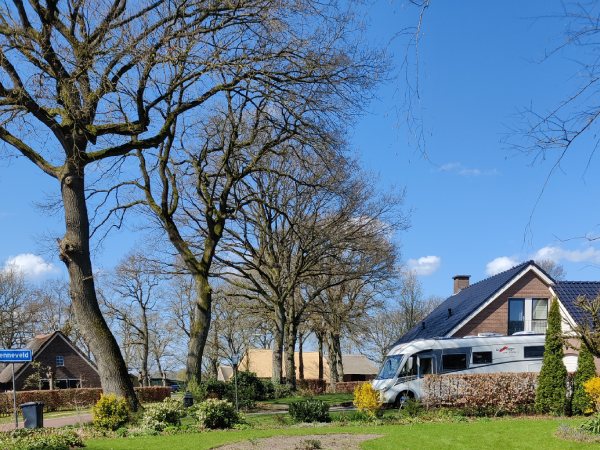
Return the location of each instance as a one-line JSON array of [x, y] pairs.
[[463, 304], [36, 345], [260, 361], [568, 291]]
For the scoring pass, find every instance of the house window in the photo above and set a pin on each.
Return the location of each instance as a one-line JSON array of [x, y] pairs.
[[482, 357], [454, 362], [60, 361], [527, 314], [536, 351], [516, 315]]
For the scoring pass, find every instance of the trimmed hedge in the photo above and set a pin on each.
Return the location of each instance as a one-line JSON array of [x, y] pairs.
[[488, 394], [344, 387], [60, 399], [314, 386]]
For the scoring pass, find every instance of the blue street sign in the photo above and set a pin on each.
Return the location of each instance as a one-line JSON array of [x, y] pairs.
[[15, 356]]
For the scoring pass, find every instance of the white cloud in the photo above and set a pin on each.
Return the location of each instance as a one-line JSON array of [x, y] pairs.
[[425, 265], [558, 254], [30, 265], [460, 169], [500, 264]]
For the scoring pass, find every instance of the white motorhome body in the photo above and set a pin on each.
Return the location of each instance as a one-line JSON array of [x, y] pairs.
[[401, 375]]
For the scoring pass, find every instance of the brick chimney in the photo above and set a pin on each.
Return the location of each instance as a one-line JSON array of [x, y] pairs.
[[460, 282]]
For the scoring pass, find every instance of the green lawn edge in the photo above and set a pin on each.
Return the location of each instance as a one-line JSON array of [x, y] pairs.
[[504, 434]]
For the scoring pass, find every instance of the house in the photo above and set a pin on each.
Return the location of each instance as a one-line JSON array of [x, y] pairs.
[[59, 360], [516, 300], [260, 361]]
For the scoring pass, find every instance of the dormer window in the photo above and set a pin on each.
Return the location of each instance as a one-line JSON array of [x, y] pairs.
[[60, 361]]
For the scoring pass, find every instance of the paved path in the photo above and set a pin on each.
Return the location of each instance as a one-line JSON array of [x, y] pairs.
[[53, 422]]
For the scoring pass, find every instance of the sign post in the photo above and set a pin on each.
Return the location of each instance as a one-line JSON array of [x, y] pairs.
[[15, 356]]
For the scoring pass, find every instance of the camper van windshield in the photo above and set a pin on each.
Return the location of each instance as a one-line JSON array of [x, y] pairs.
[[390, 367]]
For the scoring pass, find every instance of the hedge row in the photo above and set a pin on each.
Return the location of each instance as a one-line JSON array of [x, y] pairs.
[[314, 386], [344, 387], [59, 399], [490, 393]]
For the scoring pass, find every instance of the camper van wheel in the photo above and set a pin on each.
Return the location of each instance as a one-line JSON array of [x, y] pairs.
[[402, 398]]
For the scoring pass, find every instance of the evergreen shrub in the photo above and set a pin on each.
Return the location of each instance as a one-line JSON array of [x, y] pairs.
[[551, 393], [582, 402]]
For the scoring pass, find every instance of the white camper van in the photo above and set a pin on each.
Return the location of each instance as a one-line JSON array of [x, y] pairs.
[[401, 376]]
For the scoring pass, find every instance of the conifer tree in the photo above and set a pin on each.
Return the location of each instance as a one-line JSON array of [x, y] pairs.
[[551, 392], [582, 403]]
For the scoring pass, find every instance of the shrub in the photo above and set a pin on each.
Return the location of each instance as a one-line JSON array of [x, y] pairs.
[[592, 388], [110, 413], [367, 399], [214, 413], [309, 410], [582, 402], [282, 390], [218, 389], [482, 394], [198, 390], [592, 425], [40, 439], [551, 393], [161, 415]]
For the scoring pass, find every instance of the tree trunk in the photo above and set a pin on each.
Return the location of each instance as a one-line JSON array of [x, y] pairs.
[[290, 344], [199, 328], [300, 356], [333, 364], [278, 339], [320, 347], [338, 357], [145, 349], [75, 253]]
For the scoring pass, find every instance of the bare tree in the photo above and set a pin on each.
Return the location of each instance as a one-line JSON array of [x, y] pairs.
[[132, 300], [552, 268], [15, 309], [83, 83]]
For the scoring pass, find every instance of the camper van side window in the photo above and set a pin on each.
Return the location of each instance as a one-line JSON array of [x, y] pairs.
[[482, 357], [534, 352], [457, 361]]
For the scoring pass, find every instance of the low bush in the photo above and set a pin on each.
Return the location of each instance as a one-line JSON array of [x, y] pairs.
[[592, 425], [367, 399], [40, 439], [217, 414], [592, 388], [282, 390], [159, 416], [309, 410], [110, 412], [482, 394]]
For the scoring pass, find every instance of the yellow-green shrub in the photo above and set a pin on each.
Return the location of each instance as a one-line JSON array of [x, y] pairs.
[[110, 412], [367, 399], [592, 387]]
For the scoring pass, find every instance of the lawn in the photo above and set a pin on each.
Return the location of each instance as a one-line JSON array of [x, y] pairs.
[[331, 399], [498, 434]]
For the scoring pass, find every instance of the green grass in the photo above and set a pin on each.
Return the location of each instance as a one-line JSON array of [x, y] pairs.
[[502, 434], [331, 399]]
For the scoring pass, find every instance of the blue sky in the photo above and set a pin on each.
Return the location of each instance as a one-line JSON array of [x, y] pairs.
[[472, 198]]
